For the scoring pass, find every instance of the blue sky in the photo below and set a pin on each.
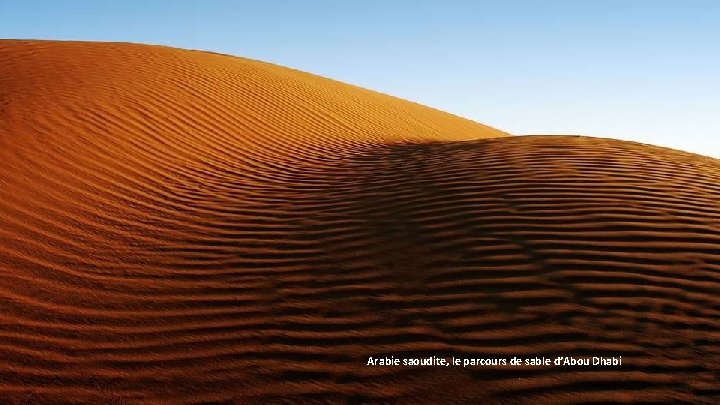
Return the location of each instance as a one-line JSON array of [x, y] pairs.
[[638, 70]]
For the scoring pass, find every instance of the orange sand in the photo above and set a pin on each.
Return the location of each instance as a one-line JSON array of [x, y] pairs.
[[183, 227]]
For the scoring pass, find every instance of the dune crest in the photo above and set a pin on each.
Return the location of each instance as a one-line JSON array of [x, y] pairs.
[[186, 227]]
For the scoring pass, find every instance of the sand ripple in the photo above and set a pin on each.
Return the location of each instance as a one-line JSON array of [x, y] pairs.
[[180, 226]]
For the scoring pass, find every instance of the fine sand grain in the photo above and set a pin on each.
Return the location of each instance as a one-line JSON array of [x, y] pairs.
[[185, 227]]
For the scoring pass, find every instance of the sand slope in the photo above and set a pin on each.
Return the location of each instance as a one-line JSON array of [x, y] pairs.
[[179, 226]]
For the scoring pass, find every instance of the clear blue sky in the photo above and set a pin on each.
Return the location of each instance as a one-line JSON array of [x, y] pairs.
[[628, 69]]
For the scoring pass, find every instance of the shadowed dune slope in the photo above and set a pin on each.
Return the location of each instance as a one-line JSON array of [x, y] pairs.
[[185, 227]]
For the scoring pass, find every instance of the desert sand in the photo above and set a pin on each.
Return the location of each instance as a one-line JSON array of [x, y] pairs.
[[179, 226]]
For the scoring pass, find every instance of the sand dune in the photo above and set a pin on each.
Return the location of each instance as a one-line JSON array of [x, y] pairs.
[[183, 227]]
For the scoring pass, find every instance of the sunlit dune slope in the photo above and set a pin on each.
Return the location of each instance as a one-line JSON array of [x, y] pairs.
[[185, 227]]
